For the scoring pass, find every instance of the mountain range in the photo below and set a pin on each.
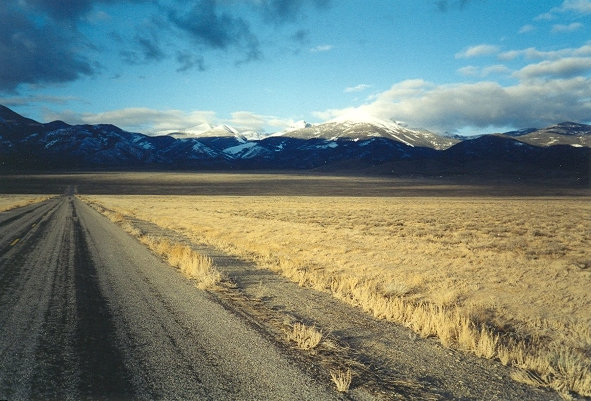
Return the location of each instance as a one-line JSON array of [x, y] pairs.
[[368, 145]]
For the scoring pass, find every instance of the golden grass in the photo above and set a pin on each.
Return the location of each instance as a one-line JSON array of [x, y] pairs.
[[342, 379], [305, 337], [191, 263], [506, 279], [8, 202]]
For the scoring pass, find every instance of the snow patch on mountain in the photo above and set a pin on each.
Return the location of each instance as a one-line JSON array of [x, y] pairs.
[[351, 119], [234, 150], [356, 127]]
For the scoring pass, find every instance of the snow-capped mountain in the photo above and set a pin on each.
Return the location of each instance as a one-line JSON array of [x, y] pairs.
[[191, 132], [566, 133], [220, 131], [339, 144], [293, 127], [368, 128]]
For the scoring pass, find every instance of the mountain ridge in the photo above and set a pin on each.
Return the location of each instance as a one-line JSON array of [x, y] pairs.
[[361, 145], [565, 133]]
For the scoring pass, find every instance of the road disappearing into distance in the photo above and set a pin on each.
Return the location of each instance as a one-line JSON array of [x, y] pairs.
[[86, 312]]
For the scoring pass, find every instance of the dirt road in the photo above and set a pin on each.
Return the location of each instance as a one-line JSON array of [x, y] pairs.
[[86, 312]]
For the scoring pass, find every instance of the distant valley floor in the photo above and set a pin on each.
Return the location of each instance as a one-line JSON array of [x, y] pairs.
[[285, 183]]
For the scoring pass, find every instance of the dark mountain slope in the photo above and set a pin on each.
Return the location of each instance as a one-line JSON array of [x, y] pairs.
[[383, 147], [566, 133]]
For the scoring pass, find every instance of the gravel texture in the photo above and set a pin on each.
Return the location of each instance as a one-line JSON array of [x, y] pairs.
[[86, 312]]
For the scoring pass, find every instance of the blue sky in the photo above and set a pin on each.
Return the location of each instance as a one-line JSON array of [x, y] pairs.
[[462, 66]]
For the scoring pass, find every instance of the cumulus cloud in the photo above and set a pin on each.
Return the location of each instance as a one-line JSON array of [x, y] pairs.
[[246, 120], [139, 119], [484, 104], [561, 68], [554, 88], [469, 71], [477, 51], [483, 72], [151, 121], [38, 55]]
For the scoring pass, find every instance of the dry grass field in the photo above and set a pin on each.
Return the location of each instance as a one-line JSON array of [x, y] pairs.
[[504, 278], [8, 202]]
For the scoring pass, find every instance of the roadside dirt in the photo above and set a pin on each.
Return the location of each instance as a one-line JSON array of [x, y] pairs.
[[388, 361]]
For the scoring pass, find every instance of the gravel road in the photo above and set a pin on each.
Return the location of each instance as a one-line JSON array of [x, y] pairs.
[[86, 312]]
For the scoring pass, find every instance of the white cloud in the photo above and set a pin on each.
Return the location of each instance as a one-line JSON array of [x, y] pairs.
[[567, 28], [477, 51], [495, 69], [357, 88], [533, 54], [321, 48], [139, 119], [151, 121], [561, 68], [554, 88], [246, 120], [581, 7], [473, 71], [469, 71], [527, 28], [484, 104], [578, 6], [545, 17]]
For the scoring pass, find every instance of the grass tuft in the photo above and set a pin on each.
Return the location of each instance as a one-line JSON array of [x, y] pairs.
[[305, 337], [342, 379], [191, 263]]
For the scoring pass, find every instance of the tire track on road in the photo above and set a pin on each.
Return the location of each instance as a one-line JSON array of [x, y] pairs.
[[55, 359], [88, 313], [19, 215], [12, 258], [102, 371], [26, 274], [28, 224], [62, 335]]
